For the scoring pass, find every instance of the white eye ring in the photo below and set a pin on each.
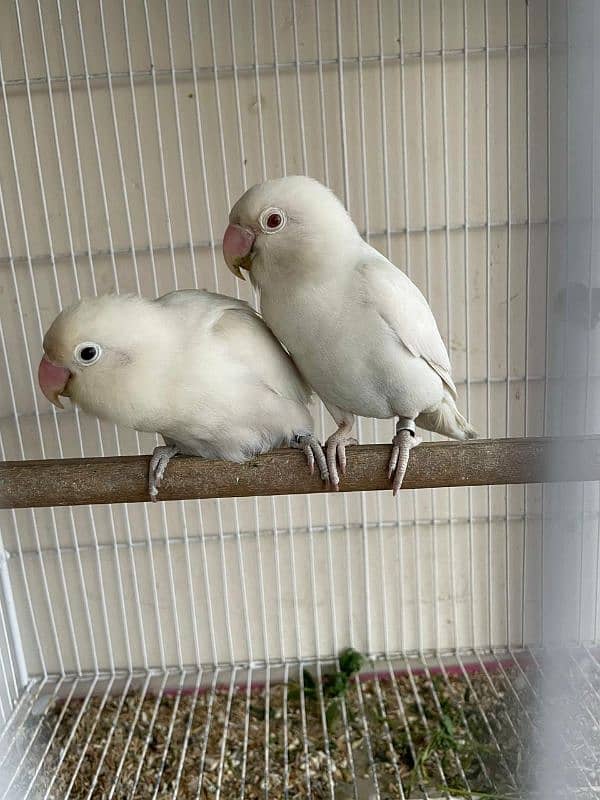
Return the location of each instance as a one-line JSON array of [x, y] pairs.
[[86, 362], [264, 219]]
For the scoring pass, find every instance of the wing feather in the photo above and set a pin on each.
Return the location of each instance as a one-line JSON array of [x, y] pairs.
[[405, 311]]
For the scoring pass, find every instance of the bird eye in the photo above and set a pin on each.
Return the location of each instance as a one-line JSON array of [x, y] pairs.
[[87, 353], [272, 220]]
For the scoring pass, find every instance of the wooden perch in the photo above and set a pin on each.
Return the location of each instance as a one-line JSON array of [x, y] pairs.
[[79, 481]]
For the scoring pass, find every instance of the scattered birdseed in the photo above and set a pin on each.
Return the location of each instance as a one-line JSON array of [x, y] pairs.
[[448, 735]]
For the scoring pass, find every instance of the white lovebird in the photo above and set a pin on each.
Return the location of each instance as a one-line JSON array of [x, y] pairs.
[[360, 332], [215, 383]]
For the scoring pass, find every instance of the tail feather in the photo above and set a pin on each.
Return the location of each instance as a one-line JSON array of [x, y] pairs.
[[447, 420]]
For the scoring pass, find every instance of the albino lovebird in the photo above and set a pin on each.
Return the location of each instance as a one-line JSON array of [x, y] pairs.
[[214, 382], [360, 332]]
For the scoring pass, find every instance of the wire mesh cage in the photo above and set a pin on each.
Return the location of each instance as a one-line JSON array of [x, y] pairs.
[[187, 649]]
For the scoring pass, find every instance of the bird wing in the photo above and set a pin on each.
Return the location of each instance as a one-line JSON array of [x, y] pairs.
[[405, 311], [194, 303], [246, 337]]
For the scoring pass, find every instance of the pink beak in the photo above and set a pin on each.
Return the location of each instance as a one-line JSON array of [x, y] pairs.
[[52, 380], [237, 248]]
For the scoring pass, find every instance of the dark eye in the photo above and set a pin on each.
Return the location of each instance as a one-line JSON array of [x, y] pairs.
[[88, 353], [273, 221]]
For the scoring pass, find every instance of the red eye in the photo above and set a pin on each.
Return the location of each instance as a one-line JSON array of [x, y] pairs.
[[273, 221]]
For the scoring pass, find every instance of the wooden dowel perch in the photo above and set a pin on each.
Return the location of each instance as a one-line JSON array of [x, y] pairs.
[[79, 481]]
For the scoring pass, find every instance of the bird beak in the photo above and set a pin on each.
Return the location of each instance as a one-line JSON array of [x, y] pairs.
[[237, 249], [53, 380]]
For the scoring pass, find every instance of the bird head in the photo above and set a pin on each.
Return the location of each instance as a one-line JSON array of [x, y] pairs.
[[86, 348], [284, 220]]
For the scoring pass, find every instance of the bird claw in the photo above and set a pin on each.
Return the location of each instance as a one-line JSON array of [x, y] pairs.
[[402, 443], [157, 467], [312, 449], [336, 455]]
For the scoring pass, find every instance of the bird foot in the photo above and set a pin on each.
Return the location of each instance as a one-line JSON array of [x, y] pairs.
[[312, 449], [402, 443], [158, 464], [336, 454]]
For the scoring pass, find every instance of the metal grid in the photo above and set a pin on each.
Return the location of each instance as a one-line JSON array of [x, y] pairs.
[[409, 727], [126, 131], [130, 190]]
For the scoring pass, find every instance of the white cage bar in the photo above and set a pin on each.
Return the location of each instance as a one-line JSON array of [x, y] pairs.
[[154, 227]]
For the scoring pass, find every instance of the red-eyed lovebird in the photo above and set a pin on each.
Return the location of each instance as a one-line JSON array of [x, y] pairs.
[[359, 330]]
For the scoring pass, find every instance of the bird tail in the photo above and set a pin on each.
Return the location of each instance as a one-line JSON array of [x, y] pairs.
[[447, 420]]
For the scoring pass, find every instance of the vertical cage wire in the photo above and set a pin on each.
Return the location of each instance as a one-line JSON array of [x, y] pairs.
[[166, 116], [10, 679]]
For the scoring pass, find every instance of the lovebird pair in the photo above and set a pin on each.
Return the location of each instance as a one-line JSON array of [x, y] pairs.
[[206, 372]]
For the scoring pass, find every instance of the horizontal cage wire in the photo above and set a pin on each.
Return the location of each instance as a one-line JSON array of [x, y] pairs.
[[194, 649]]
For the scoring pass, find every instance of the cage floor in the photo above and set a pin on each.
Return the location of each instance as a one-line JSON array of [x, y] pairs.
[[462, 726]]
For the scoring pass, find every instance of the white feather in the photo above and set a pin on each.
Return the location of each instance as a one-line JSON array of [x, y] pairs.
[[201, 369], [359, 330]]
